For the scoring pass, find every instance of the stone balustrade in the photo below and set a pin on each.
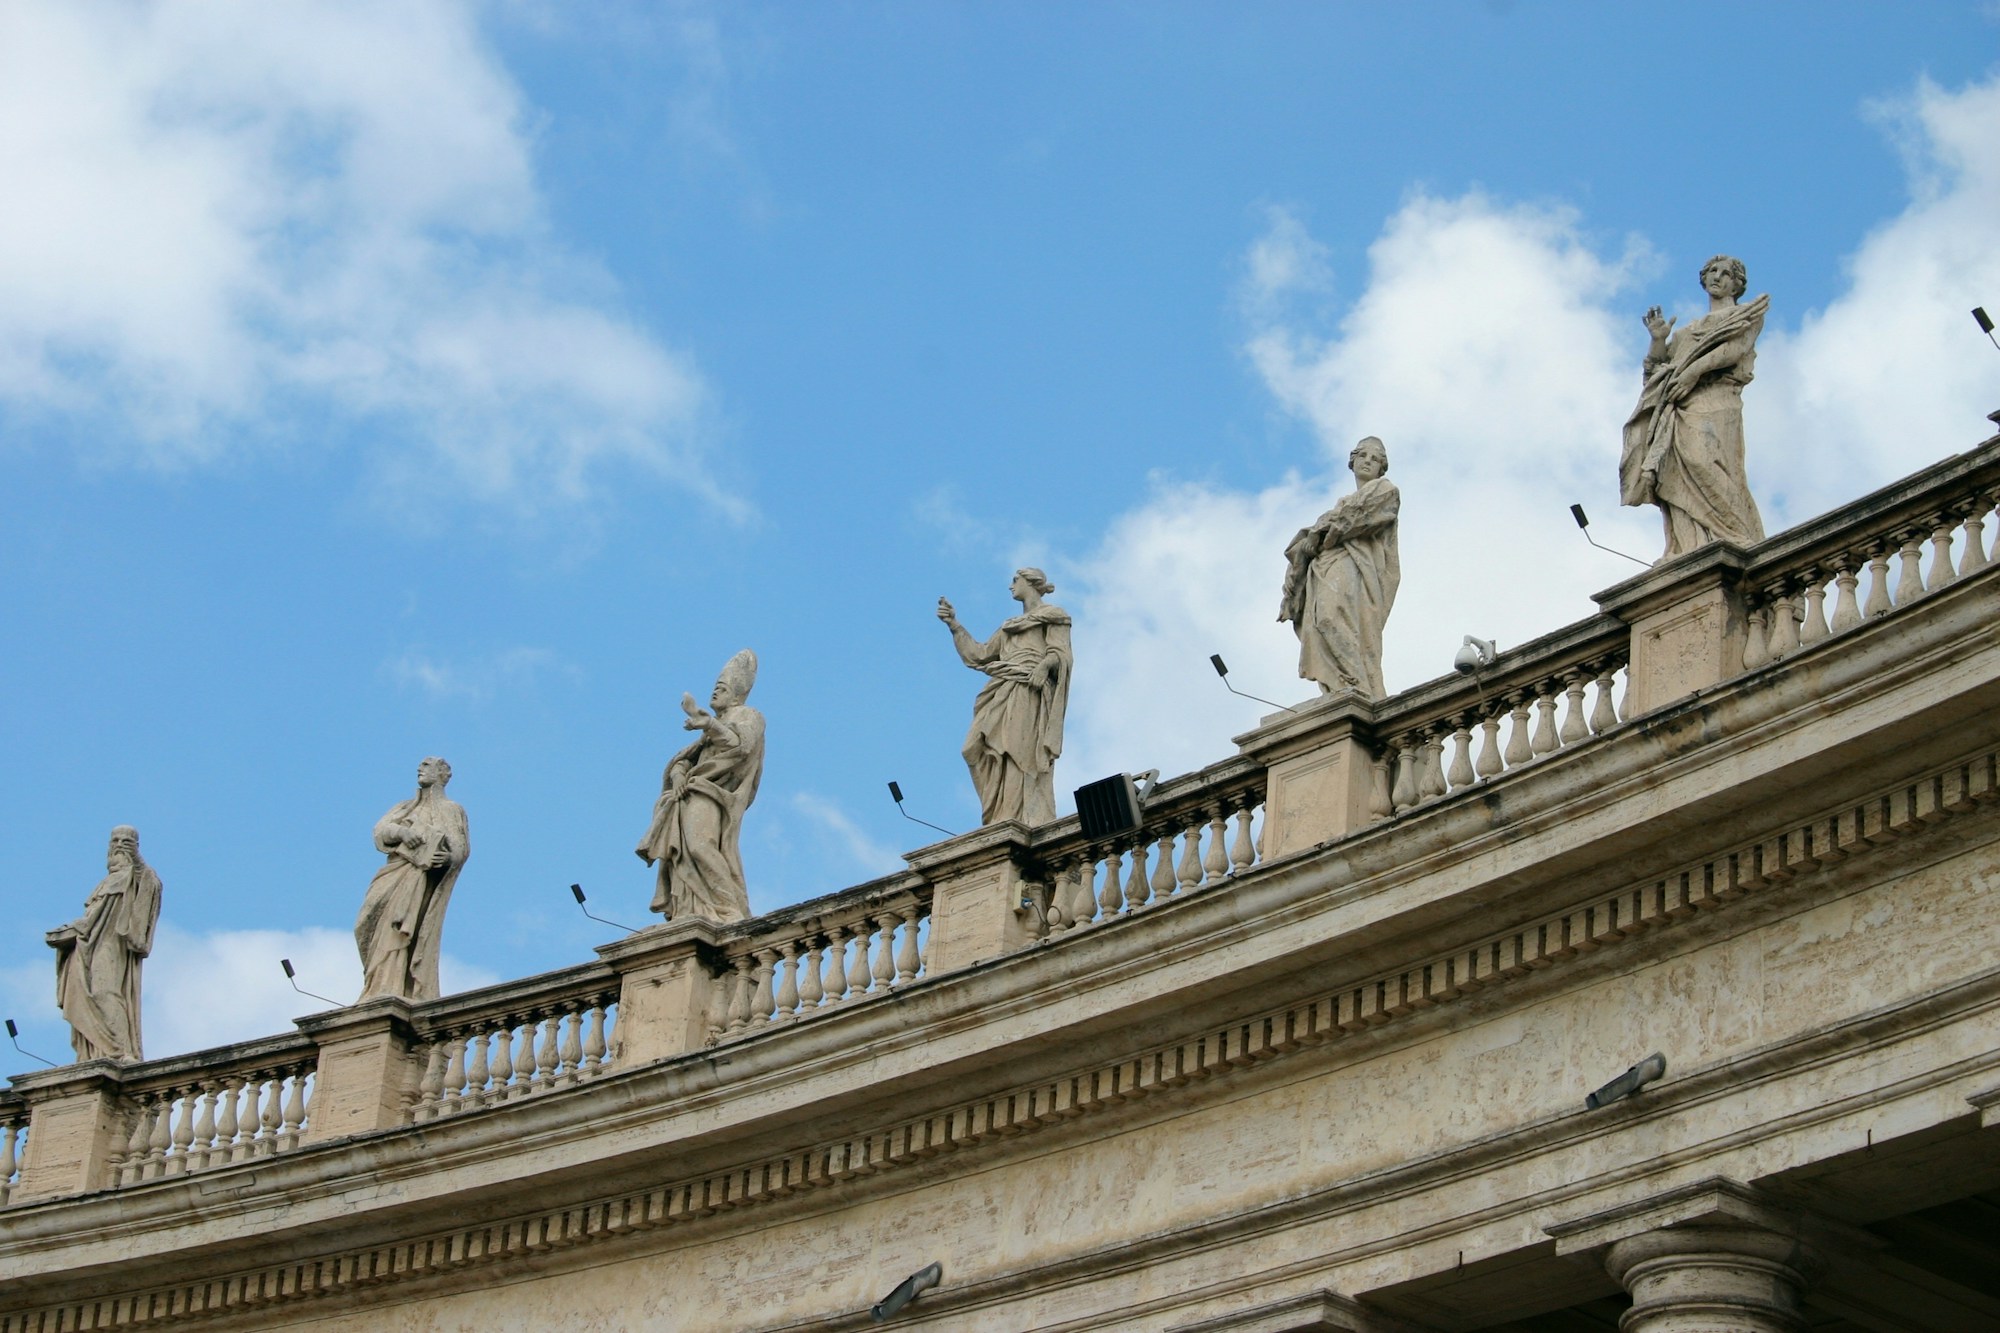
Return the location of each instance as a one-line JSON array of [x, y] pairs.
[[1196, 833], [821, 956], [13, 1126], [204, 1112], [485, 1050], [1556, 692]]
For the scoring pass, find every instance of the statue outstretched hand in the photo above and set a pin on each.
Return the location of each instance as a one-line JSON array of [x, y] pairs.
[[946, 612], [698, 717], [1658, 325]]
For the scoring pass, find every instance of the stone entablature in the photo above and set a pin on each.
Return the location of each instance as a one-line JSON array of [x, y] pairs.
[[1857, 766]]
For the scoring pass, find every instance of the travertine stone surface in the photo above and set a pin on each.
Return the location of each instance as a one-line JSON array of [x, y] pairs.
[[667, 990], [695, 839], [1017, 720], [977, 909], [98, 954], [1319, 773], [1341, 576], [1684, 441], [78, 1128], [401, 927], [366, 1076], [1687, 626]]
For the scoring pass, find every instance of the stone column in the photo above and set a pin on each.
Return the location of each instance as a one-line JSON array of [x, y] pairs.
[[977, 909], [1713, 1279], [667, 989], [1712, 1257], [1687, 622], [1320, 766]]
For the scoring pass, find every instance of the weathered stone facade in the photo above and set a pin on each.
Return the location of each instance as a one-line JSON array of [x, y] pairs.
[[1332, 1081]]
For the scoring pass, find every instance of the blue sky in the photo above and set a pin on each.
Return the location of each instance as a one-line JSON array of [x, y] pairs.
[[381, 381]]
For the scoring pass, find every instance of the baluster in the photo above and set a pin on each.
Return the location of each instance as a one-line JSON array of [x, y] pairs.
[[1941, 571], [785, 973], [454, 1073], [1488, 764], [524, 1059], [1518, 751], [1189, 873], [1910, 585], [204, 1129], [572, 1047], [156, 1153], [908, 961], [1544, 740], [225, 1120], [478, 1067], [9, 1132], [1603, 713], [1756, 649], [502, 1072], [1878, 603], [1461, 775], [1574, 728], [1846, 608], [272, 1117], [1379, 803], [1109, 900], [810, 991], [1404, 794], [1078, 891], [295, 1111], [139, 1146], [1216, 863], [741, 1000], [1815, 627], [835, 984], [1163, 866], [1784, 628], [885, 952], [593, 1041], [1430, 769], [430, 1088], [1975, 537], [1243, 851], [548, 1057], [1138, 881], [183, 1133]]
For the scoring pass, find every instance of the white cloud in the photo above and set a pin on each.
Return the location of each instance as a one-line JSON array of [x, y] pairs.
[[474, 679], [226, 219], [868, 856]]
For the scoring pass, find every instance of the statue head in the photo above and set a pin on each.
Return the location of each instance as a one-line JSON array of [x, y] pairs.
[[124, 849], [1029, 579], [1733, 278], [732, 687], [433, 772], [1369, 456]]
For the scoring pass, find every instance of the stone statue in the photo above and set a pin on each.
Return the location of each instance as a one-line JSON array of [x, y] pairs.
[[697, 831], [98, 954], [401, 926], [1684, 442], [1341, 576], [1017, 720]]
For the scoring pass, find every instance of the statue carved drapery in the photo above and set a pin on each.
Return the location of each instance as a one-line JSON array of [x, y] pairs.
[[401, 926], [1017, 719], [695, 838], [98, 955], [1341, 576]]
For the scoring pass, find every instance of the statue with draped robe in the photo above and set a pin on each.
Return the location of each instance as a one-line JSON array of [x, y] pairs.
[[98, 954], [695, 839], [401, 927], [1017, 720], [1341, 576], [1683, 446]]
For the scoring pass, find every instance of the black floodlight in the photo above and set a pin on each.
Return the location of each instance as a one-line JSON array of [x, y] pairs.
[[577, 891], [1638, 1076], [896, 795], [1222, 670], [14, 1035], [1985, 324], [911, 1287], [293, 977], [1583, 523], [1108, 806]]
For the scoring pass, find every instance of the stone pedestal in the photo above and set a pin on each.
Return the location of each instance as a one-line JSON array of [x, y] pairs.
[[367, 1076], [1687, 622], [77, 1124], [1319, 764], [667, 986], [978, 906]]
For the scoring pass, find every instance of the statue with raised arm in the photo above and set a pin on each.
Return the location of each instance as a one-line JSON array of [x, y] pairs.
[[1684, 442], [695, 839], [1017, 720], [400, 930], [98, 954], [1341, 576]]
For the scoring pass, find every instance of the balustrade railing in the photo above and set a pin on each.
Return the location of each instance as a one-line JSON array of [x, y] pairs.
[[1533, 701], [1907, 541], [13, 1133], [504, 1044], [1196, 832], [821, 955], [200, 1113]]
